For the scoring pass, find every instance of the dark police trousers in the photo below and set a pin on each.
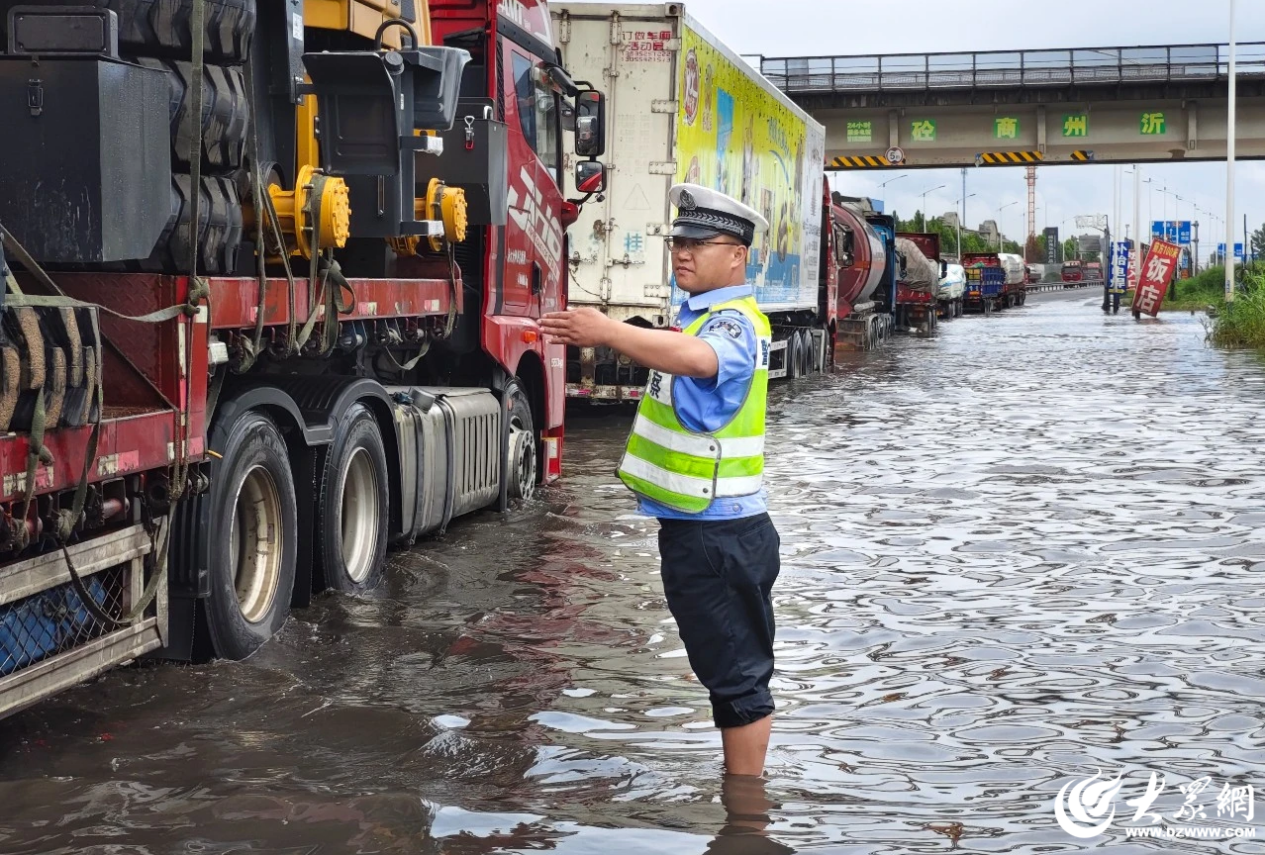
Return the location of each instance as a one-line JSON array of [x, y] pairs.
[[718, 576]]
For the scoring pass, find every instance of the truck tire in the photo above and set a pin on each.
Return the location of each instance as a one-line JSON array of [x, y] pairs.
[[225, 115], [352, 504], [794, 356], [162, 27], [254, 537], [523, 470], [219, 232]]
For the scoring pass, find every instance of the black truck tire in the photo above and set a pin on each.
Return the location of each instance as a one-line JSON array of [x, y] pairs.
[[253, 539], [353, 504], [524, 450], [219, 232], [225, 115], [163, 28]]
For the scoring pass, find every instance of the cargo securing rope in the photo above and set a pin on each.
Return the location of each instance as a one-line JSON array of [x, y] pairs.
[[39, 453], [198, 289], [196, 293]]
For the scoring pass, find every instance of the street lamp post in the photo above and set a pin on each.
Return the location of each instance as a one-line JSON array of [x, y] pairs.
[[924, 203], [1231, 130], [1000, 220], [955, 203]]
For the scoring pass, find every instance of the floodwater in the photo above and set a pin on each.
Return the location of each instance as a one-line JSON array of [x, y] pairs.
[[1017, 554]]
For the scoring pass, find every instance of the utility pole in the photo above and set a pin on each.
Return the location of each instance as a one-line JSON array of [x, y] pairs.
[[1229, 171], [1135, 259], [1194, 262], [1032, 213], [962, 216]]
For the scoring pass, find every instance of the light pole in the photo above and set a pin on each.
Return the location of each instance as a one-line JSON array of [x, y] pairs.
[[890, 180], [955, 203], [924, 203], [1000, 220], [1231, 130]]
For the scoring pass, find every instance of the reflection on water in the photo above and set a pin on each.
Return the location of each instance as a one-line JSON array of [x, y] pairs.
[[1013, 555]]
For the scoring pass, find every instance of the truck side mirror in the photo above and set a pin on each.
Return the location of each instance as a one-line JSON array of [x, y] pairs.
[[590, 124], [590, 176]]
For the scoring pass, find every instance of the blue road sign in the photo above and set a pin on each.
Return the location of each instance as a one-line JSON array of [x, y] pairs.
[[1119, 266], [1173, 231], [1238, 250]]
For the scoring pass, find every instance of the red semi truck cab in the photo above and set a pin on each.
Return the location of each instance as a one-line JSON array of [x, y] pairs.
[[205, 427]]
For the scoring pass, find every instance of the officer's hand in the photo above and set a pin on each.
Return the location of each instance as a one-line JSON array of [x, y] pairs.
[[583, 327]]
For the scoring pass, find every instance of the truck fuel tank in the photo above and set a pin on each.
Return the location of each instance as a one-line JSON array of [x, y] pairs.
[[451, 445]]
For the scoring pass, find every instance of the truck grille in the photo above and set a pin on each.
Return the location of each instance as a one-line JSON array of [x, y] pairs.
[[56, 620]]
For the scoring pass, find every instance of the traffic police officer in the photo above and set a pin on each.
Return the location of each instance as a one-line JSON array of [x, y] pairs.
[[695, 460]]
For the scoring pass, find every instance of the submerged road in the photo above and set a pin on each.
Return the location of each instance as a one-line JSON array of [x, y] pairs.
[[1016, 554]]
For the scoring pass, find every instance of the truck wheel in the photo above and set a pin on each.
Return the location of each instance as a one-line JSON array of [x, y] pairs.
[[794, 356], [254, 538], [522, 468], [163, 27], [352, 504]]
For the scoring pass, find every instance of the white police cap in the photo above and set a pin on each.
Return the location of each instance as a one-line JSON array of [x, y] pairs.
[[703, 213]]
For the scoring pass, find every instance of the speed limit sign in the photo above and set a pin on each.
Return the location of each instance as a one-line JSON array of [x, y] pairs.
[[895, 155]]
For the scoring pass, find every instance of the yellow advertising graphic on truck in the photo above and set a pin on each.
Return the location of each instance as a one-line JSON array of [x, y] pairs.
[[683, 106], [735, 136]]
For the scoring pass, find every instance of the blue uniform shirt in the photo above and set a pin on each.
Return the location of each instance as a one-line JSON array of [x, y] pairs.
[[708, 404]]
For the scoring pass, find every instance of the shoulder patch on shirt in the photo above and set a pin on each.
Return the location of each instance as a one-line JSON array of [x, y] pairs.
[[730, 327]]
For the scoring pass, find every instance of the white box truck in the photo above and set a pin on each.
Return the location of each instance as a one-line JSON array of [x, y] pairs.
[[681, 106]]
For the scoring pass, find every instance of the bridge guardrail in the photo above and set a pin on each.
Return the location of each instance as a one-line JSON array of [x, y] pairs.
[[1005, 69]]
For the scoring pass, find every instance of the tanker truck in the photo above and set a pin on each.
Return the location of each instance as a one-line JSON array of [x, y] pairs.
[[861, 259]]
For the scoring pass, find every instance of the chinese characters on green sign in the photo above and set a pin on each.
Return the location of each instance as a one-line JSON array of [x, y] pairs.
[[860, 132], [1153, 124], [923, 130], [1076, 125], [1006, 128]]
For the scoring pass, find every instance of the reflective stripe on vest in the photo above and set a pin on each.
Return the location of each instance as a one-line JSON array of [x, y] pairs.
[[686, 470]]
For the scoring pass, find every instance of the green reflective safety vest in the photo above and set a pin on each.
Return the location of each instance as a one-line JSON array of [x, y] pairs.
[[687, 470]]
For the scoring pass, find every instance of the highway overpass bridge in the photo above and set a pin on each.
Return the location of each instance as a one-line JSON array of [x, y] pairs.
[[1007, 108]]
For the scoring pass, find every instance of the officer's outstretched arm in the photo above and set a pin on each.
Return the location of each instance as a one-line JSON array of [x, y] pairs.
[[667, 351], [662, 350]]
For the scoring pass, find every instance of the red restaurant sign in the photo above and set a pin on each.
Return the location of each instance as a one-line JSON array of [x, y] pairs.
[[1157, 270]]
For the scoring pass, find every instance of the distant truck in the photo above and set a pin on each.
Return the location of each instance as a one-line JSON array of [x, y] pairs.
[[1013, 292], [1073, 273], [860, 258], [687, 108], [1093, 271], [918, 285], [952, 291]]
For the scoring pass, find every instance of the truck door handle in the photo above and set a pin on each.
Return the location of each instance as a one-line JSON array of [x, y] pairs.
[[536, 276]]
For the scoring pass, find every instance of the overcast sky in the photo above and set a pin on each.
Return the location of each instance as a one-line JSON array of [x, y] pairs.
[[843, 27]]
